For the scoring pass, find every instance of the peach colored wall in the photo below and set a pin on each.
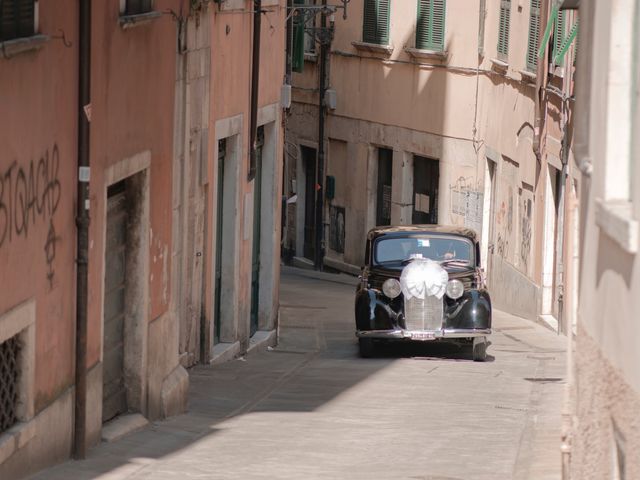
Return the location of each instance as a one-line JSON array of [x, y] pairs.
[[37, 191], [230, 96], [126, 121]]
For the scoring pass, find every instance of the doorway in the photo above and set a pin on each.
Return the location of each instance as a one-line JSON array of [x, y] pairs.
[[114, 394], [385, 178], [426, 175], [309, 166], [257, 216], [217, 278], [550, 232]]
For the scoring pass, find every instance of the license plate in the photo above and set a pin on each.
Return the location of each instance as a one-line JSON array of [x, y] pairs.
[[423, 336]]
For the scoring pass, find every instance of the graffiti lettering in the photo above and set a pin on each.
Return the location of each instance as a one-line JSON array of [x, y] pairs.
[[28, 195], [525, 230], [50, 252]]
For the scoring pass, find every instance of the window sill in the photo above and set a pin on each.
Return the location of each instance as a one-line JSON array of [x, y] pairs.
[[528, 76], [311, 57], [499, 65], [130, 21], [228, 5], [615, 218], [16, 46], [426, 54], [373, 47], [16, 438]]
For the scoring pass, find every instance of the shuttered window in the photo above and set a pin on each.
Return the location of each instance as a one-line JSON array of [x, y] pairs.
[[430, 25], [17, 19], [559, 36], [503, 30], [136, 7], [534, 36], [375, 27]]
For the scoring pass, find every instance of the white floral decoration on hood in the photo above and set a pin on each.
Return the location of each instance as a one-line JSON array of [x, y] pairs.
[[423, 278]]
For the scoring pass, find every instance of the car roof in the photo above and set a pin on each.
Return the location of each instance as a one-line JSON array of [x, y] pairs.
[[401, 230]]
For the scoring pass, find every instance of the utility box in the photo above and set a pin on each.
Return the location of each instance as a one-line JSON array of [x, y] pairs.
[[285, 96], [331, 99]]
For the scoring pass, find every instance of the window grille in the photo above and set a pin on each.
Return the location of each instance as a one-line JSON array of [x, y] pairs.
[[375, 28], [430, 25], [9, 377], [17, 19]]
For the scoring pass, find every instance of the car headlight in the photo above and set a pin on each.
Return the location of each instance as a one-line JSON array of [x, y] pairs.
[[455, 289], [391, 288]]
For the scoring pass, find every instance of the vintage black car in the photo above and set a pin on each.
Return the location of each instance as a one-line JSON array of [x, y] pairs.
[[423, 283]]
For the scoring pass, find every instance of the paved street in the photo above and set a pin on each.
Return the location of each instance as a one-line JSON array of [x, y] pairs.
[[311, 408]]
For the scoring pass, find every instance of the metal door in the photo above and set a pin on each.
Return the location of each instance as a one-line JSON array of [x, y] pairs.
[[309, 165], [114, 399], [222, 150], [385, 177], [257, 212], [426, 176]]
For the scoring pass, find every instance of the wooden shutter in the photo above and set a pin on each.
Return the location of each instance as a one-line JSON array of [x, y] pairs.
[[430, 25], [534, 36], [503, 30], [375, 28], [559, 36], [16, 19]]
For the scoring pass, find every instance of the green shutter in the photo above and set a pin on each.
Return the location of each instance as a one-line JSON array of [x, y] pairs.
[[559, 37], [375, 28], [534, 36], [430, 25], [503, 30], [297, 55]]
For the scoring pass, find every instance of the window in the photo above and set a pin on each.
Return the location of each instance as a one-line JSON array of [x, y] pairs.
[[17, 19], [534, 36], [375, 27], [430, 25], [9, 377], [559, 36], [136, 7], [503, 30]]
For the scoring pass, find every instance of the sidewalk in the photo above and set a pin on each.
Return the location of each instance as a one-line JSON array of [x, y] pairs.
[[310, 408]]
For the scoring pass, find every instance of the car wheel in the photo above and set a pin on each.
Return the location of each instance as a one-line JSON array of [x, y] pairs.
[[367, 347], [479, 349]]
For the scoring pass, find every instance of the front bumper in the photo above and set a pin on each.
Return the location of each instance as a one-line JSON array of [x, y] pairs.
[[443, 334]]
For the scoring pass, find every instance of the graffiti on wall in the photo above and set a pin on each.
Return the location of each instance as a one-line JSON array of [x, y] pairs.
[[29, 196], [336, 229], [467, 201], [504, 223], [525, 232]]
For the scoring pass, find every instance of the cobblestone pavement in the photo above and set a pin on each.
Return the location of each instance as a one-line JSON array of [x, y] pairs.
[[312, 409]]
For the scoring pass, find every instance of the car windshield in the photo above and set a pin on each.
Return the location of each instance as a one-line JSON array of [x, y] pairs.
[[397, 251]]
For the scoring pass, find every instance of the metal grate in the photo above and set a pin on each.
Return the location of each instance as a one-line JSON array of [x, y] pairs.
[[424, 314], [9, 375]]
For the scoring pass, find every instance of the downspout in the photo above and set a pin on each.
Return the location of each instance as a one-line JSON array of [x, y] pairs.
[[319, 243], [82, 223], [255, 85]]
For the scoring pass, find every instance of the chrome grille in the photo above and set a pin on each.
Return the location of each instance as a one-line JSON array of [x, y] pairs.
[[424, 314]]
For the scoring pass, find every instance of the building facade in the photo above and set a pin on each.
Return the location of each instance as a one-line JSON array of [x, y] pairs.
[[165, 210], [443, 114], [605, 434]]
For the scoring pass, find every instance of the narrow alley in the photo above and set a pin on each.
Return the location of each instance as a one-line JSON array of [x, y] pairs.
[[311, 408]]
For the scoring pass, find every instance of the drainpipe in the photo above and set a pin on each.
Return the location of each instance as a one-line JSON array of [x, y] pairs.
[[319, 243], [255, 85], [82, 223]]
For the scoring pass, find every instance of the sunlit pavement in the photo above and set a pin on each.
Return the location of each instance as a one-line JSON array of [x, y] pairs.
[[311, 408]]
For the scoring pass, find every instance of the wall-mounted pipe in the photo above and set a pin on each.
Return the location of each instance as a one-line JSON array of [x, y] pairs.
[[82, 224], [255, 85]]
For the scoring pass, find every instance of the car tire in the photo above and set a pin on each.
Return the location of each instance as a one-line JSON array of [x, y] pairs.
[[367, 347], [479, 349]]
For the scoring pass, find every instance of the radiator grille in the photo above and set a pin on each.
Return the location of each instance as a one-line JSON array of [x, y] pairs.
[[9, 375], [424, 314]]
